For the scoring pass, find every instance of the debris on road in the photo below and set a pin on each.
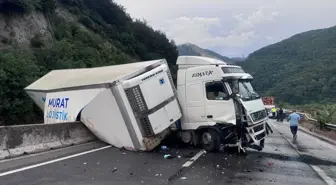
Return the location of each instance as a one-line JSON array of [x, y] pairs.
[[183, 178], [247, 170], [163, 147], [114, 170], [169, 156]]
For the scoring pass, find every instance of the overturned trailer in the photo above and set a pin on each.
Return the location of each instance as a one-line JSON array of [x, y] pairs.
[[131, 105]]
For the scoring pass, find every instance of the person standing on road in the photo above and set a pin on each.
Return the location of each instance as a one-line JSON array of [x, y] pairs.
[[294, 119], [273, 110], [281, 114]]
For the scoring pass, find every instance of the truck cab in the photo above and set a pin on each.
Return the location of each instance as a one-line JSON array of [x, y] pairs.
[[219, 105]]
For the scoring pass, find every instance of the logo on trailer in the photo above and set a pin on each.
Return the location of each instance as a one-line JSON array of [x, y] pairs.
[[59, 103], [201, 74], [162, 81]]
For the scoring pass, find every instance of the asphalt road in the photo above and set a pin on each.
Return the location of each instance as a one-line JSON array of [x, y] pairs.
[[308, 161]]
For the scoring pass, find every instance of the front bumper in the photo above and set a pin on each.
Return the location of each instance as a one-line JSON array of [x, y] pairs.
[[257, 132]]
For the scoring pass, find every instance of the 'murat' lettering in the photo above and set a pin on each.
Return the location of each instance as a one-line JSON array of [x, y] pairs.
[[58, 102]]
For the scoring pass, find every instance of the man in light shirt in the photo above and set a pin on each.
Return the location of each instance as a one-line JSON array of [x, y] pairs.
[[294, 119]]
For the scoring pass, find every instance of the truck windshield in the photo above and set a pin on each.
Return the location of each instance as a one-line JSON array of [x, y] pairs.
[[246, 91]]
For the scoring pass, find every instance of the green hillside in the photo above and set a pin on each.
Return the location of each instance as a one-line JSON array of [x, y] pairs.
[[298, 70], [84, 33], [194, 50]]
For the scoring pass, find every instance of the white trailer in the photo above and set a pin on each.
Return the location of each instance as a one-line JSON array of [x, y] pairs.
[[130, 106], [136, 105]]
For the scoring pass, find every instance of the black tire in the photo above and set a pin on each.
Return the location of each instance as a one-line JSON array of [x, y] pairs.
[[262, 144], [214, 144]]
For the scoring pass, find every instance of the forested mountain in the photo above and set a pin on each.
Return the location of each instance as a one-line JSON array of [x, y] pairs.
[[193, 50], [37, 36], [297, 70]]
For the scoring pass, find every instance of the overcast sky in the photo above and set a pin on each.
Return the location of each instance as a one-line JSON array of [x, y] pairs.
[[233, 27]]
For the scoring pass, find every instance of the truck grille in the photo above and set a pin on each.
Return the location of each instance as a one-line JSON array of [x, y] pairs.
[[258, 128], [260, 136], [259, 115]]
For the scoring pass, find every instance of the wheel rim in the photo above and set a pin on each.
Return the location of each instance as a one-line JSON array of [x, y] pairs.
[[206, 138]]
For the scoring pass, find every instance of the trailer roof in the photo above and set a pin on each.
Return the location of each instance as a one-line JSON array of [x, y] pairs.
[[67, 78]]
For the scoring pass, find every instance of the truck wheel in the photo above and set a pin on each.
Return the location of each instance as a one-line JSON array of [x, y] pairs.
[[262, 143], [210, 141]]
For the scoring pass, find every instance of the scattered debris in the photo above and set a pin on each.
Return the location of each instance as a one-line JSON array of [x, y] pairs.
[[183, 178], [84, 163], [247, 170], [114, 170], [131, 173], [98, 163], [222, 172], [156, 175], [261, 170], [124, 153], [217, 166], [163, 147], [168, 156], [276, 149]]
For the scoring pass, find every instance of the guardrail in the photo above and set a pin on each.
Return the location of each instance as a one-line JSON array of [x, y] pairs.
[[331, 126], [304, 115]]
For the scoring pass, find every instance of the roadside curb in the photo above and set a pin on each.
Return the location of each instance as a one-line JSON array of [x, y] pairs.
[[330, 141]]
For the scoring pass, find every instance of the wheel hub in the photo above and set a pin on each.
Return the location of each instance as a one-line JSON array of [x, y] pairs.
[[206, 138]]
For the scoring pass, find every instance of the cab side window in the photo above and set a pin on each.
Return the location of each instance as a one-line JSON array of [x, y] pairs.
[[216, 91]]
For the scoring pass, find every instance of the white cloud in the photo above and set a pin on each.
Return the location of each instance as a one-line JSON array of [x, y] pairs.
[[197, 30], [233, 26]]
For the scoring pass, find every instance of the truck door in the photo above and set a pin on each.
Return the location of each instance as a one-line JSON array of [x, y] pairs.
[[218, 104]]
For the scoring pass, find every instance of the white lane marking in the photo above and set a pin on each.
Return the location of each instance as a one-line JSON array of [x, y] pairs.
[[47, 152], [318, 170], [52, 161], [193, 159], [324, 176]]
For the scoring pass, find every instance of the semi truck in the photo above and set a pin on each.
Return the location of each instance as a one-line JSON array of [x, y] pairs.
[[137, 105]]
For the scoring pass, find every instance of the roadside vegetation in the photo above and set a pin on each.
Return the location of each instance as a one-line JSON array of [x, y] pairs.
[[110, 37]]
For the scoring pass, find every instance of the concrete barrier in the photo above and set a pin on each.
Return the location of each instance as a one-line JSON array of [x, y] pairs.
[[27, 139]]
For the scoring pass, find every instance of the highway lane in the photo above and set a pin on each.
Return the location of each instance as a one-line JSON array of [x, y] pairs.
[[281, 162]]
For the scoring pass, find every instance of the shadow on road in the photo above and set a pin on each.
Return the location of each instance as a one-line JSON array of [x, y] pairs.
[[308, 159]]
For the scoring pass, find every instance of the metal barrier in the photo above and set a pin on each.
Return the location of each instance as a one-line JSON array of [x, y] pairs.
[[304, 115]]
